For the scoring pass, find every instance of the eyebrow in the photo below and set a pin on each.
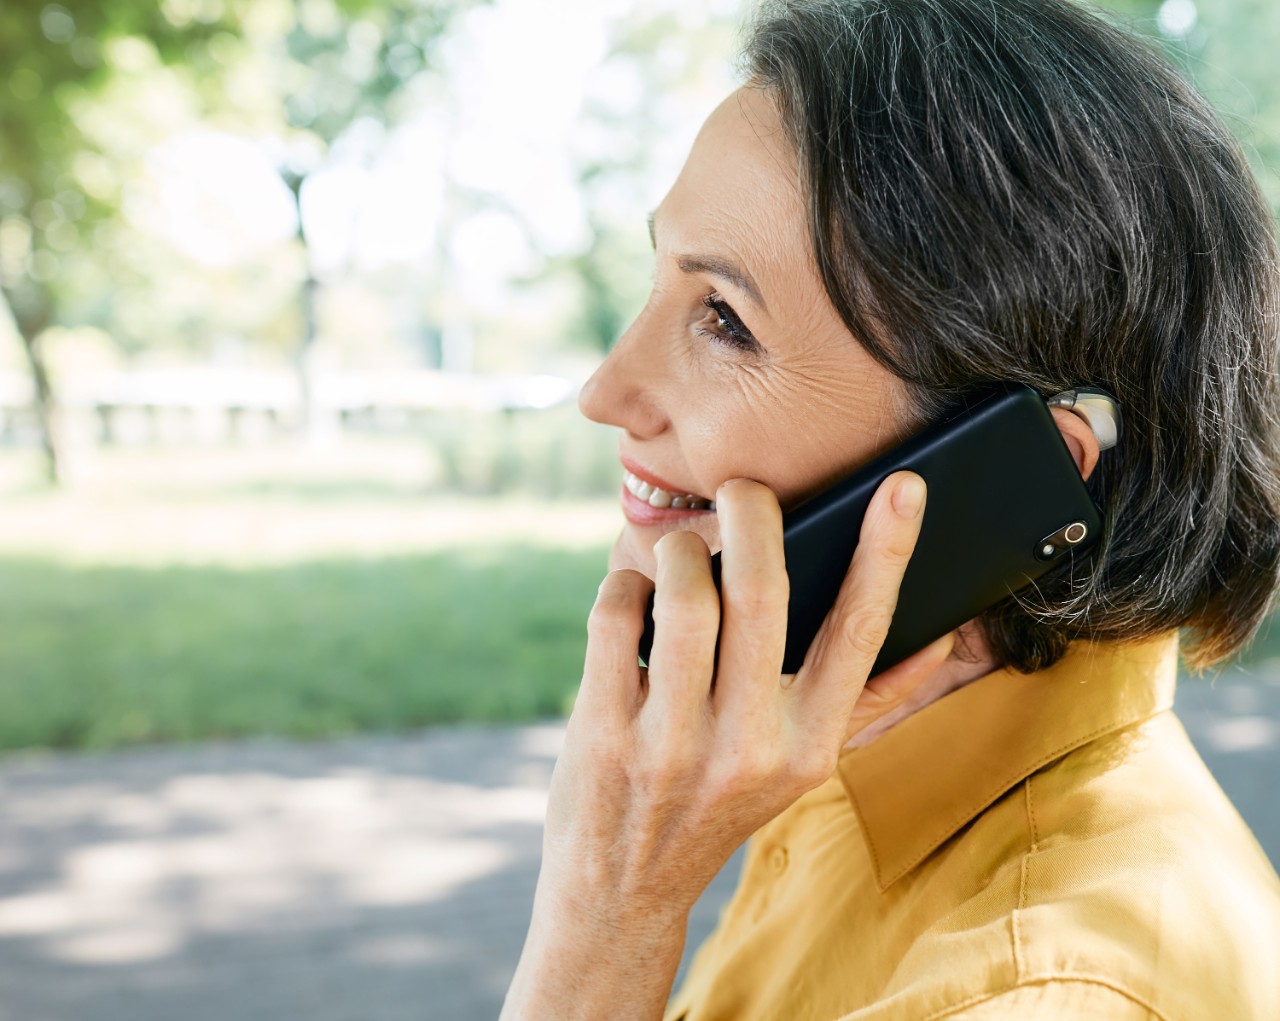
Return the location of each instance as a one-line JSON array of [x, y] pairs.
[[716, 266]]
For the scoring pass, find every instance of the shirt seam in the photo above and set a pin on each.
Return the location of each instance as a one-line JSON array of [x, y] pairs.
[[1082, 979], [1024, 869]]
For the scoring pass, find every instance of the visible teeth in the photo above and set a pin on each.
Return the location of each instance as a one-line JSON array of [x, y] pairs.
[[662, 499]]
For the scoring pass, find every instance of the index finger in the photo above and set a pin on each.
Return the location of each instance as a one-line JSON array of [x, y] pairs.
[[845, 648]]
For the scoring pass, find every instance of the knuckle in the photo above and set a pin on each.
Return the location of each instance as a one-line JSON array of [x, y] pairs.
[[723, 785], [741, 771], [812, 766], [608, 617], [616, 609], [602, 747], [862, 633], [662, 778], [763, 596], [898, 548], [690, 611]]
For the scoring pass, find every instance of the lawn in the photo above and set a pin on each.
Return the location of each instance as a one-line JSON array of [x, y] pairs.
[[181, 595], [175, 597], [98, 656]]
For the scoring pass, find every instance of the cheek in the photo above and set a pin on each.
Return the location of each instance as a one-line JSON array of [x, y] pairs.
[[759, 427]]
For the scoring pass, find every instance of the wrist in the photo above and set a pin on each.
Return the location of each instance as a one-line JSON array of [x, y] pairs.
[[584, 960]]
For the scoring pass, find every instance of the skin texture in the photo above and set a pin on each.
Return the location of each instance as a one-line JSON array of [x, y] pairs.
[[666, 771], [806, 407]]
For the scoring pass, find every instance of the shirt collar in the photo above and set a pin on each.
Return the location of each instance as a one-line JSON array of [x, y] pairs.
[[918, 783]]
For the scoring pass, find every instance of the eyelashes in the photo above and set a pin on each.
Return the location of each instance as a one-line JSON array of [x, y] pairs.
[[724, 326]]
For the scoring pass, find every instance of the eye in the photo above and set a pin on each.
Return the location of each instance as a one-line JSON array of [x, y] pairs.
[[723, 325]]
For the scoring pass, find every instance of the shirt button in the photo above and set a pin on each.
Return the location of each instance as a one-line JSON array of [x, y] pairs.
[[778, 859]]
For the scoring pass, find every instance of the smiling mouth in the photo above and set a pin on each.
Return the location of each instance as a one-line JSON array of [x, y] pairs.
[[661, 499]]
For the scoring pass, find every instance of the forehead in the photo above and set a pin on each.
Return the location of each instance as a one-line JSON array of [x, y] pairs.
[[739, 191]]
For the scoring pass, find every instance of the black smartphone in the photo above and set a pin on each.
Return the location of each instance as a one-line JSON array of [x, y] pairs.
[[1006, 504]]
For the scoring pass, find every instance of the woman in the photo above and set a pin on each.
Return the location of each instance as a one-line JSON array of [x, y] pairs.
[[909, 198]]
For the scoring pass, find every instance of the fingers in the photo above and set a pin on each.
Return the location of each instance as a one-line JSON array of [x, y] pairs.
[[686, 617], [611, 672], [754, 593], [890, 690], [849, 640]]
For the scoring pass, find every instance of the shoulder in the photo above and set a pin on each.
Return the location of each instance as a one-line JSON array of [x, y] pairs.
[[1142, 878]]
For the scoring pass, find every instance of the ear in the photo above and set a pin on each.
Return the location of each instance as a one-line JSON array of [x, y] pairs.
[[1080, 439]]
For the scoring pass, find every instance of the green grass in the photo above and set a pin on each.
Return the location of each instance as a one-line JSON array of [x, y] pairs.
[[180, 593], [183, 594], [96, 656]]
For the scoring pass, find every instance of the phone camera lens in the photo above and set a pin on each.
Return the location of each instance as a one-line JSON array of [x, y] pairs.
[[1063, 540]]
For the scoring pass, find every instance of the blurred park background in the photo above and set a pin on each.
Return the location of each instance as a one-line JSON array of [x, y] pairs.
[[297, 296]]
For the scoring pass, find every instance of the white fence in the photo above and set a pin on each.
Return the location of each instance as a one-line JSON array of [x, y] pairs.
[[149, 402]]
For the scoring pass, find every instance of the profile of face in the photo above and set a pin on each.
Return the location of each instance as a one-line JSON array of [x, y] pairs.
[[738, 365]]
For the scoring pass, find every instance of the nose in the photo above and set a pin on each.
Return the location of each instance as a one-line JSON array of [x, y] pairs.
[[625, 390]]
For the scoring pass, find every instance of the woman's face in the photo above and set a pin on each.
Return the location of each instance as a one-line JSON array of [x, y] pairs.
[[738, 365]]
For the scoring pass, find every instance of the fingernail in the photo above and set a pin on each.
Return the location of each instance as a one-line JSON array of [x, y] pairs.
[[908, 498]]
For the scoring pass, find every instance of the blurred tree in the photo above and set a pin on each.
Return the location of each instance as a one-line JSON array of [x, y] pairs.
[[314, 68], [658, 67], [338, 70], [1226, 46], [50, 55], [1229, 47], [307, 78]]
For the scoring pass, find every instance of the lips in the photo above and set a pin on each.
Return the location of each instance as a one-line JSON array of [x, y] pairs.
[[649, 499], [662, 499]]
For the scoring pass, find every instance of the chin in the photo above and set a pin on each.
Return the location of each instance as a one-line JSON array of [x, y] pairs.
[[633, 549], [632, 552]]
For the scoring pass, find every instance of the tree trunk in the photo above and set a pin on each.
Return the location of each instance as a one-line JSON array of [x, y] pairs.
[[305, 360], [31, 322], [310, 412]]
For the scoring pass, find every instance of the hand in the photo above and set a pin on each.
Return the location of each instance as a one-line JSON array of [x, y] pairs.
[[666, 771]]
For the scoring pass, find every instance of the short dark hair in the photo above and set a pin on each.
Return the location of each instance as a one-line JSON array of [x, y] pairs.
[[1019, 189]]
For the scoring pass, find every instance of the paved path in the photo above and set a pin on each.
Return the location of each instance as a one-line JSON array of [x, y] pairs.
[[359, 880]]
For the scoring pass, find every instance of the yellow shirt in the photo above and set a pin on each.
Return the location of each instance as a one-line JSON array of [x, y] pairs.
[[1041, 848]]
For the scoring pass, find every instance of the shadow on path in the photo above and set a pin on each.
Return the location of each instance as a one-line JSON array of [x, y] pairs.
[[357, 880]]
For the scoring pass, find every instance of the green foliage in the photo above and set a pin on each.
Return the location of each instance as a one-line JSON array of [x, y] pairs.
[[301, 72], [96, 657], [1228, 51], [615, 269], [351, 60], [52, 56], [1232, 55]]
